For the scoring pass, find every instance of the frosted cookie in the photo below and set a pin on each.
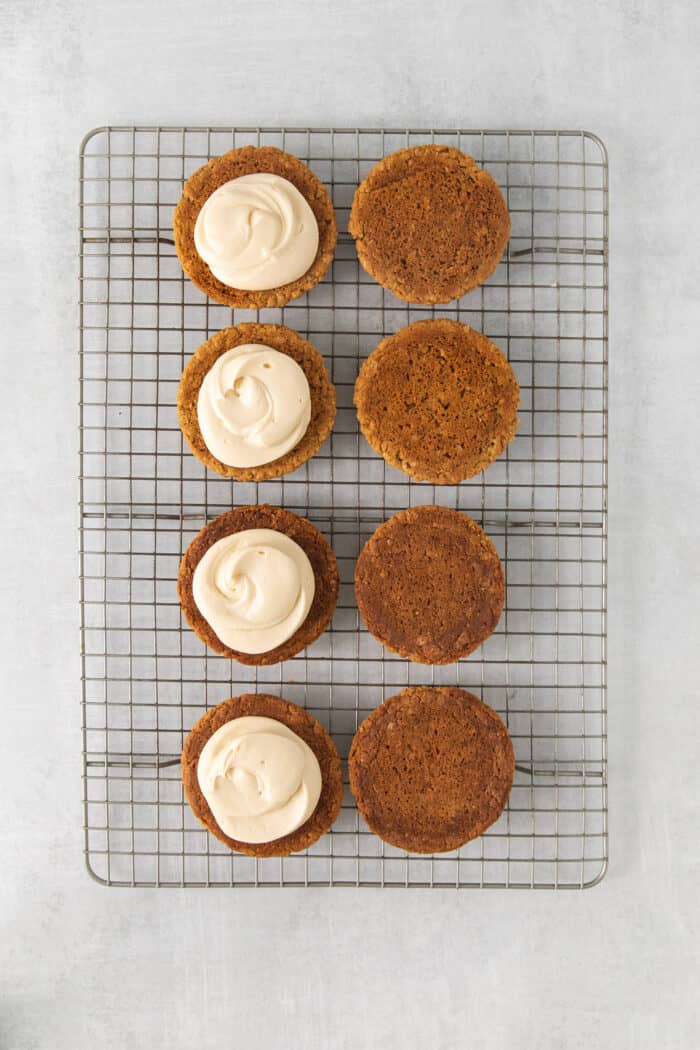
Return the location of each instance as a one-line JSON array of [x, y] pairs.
[[262, 775], [255, 402], [254, 228], [258, 584]]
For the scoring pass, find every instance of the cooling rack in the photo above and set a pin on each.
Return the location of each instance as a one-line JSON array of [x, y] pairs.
[[146, 677]]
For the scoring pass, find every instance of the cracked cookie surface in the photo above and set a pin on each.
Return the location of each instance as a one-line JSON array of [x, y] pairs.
[[429, 224], [429, 585], [431, 768], [437, 400]]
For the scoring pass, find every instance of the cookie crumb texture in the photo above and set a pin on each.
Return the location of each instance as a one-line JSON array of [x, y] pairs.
[[438, 400], [314, 545], [429, 585], [429, 224], [248, 160], [305, 726], [286, 341], [431, 768]]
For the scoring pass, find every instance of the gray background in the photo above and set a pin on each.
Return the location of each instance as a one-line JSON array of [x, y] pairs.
[[616, 966]]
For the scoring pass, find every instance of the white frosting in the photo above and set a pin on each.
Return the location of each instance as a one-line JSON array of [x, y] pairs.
[[261, 781], [254, 588], [254, 405], [256, 232]]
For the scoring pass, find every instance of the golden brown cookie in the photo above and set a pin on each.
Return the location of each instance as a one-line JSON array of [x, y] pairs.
[[438, 400], [305, 726], [245, 161], [429, 224], [430, 585], [431, 769], [285, 341], [314, 545]]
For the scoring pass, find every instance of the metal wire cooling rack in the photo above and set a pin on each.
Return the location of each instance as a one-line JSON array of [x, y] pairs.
[[147, 678]]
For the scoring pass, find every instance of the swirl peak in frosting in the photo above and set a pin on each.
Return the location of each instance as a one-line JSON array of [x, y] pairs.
[[254, 405], [257, 232], [254, 588], [261, 781]]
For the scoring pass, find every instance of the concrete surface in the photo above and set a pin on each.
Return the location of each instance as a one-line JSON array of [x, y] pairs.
[[617, 966]]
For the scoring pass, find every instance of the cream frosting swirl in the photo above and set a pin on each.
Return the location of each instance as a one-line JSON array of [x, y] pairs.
[[254, 588], [261, 781], [254, 405], [256, 232]]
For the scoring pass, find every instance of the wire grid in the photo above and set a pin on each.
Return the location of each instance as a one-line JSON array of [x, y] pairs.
[[147, 678]]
